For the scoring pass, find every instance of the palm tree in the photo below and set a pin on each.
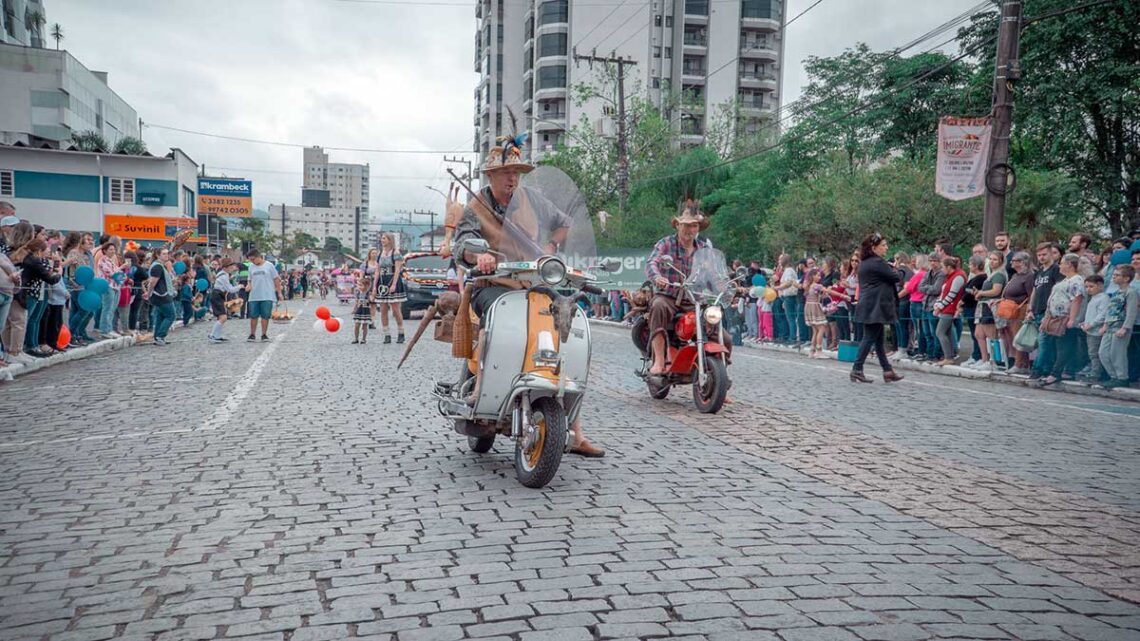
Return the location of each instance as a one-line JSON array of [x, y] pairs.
[[131, 146], [57, 34], [34, 19]]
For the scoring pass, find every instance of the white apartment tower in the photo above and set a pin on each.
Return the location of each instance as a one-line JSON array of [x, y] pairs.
[[334, 185], [698, 54]]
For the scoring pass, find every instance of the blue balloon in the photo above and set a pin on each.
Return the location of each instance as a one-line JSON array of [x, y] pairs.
[[180, 268], [99, 286], [83, 275], [89, 300], [119, 277], [1135, 245], [202, 284], [1121, 257]]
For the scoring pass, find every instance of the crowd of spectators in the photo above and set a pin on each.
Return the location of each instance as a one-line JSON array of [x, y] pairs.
[[1079, 300]]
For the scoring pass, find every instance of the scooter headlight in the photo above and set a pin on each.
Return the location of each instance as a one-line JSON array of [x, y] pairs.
[[713, 314], [552, 271]]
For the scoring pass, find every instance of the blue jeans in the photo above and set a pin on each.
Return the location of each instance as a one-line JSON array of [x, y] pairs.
[[977, 353], [779, 321], [929, 330], [163, 318], [187, 312], [77, 318], [751, 320], [1046, 354], [792, 317], [801, 319], [902, 334], [36, 308], [5, 305], [919, 336], [107, 311]]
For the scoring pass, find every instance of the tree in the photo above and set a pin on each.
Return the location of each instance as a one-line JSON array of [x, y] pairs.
[[89, 141], [333, 244], [131, 146], [34, 19], [57, 34], [1078, 102]]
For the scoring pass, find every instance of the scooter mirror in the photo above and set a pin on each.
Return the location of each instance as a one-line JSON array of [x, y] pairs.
[[475, 246]]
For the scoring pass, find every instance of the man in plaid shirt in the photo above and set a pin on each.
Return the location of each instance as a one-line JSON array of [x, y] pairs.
[[680, 247]]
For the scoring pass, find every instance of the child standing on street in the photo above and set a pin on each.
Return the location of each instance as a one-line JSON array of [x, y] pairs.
[[813, 311], [1117, 328], [186, 297], [362, 311], [1094, 323]]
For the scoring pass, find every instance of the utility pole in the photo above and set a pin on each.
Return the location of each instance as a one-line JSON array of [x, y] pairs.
[[356, 233], [461, 161], [431, 233], [623, 150], [282, 229], [1006, 73]]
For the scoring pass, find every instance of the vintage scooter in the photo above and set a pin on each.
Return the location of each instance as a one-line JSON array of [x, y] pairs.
[[534, 356], [696, 353], [535, 359]]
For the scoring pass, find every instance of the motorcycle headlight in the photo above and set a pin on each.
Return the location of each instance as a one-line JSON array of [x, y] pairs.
[[713, 314], [552, 271]]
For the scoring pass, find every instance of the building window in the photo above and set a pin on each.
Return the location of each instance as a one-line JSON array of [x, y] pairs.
[[767, 9], [669, 22], [551, 44], [553, 12], [7, 183], [668, 52], [123, 190], [551, 77], [187, 202], [697, 7], [656, 52], [657, 20], [656, 82]]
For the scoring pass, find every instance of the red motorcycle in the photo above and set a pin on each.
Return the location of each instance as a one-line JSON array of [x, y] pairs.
[[696, 352]]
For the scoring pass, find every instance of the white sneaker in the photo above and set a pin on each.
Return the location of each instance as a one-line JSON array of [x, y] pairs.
[[21, 358], [970, 363]]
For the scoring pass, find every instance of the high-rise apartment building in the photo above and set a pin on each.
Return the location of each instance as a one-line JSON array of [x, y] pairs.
[[693, 56], [334, 185], [23, 22]]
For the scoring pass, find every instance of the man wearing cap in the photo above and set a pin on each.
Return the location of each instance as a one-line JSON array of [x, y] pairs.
[[680, 247], [218, 292], [485, 217]]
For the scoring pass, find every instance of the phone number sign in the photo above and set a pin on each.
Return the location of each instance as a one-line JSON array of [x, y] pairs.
[[225, 197]]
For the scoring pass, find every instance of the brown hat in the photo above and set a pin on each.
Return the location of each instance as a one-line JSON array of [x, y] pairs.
[[506, 155], [691, 213], [227, 262]]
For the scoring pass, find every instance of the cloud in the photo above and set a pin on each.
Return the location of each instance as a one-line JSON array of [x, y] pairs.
[[323, 72]]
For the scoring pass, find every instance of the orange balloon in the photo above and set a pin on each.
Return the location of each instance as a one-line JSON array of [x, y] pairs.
[[323, 313], [64, 338], [332, 324]]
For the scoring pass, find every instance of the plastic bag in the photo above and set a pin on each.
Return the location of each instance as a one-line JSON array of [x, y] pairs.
[[1027, 337]]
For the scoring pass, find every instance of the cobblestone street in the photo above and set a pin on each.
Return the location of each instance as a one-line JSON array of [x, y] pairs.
[[304, 489]]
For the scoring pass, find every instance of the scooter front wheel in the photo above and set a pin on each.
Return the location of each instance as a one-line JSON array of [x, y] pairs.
[[537, 464], [480, 445], [709, 398]]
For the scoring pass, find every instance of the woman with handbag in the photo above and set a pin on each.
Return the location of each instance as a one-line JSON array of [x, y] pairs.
[[1059, 327], [877, 306], [1011, 309], [988, 296]]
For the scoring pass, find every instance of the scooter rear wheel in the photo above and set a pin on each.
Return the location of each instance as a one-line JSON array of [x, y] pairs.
[[658, 392], [535, 467]]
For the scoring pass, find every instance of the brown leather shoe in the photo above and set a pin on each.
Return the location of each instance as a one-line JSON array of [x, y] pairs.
[[891, 377], [587, 449], [858, 377]]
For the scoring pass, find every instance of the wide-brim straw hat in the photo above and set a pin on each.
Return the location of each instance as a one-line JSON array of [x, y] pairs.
[[691, 213], [507, 155]]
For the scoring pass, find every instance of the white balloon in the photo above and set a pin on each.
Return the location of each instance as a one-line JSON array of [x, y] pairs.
[[318, 325]]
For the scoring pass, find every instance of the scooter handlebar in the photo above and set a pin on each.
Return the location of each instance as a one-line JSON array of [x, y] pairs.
[[593, 289]]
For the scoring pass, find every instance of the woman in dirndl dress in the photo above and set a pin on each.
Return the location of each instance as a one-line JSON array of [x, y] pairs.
[[389, 288], [370, 266]]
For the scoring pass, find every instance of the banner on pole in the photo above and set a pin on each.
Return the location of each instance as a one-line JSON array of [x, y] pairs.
[[963, 157]]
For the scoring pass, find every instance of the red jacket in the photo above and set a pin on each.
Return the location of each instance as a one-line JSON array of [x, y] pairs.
[[948, 302]]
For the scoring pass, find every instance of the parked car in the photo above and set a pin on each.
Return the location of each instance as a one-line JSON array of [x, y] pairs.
[[425, 276]]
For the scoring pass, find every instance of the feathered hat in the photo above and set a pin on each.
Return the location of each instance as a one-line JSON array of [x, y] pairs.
[[690, 212], [507, 152]]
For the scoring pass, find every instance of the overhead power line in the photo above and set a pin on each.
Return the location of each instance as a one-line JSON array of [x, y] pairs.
[[299, 145]]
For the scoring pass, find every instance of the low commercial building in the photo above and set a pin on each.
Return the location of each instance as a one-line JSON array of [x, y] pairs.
[[78, 190]]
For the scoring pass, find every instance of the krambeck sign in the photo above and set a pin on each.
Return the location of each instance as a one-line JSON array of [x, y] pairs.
[[225, 197], [963, 154]]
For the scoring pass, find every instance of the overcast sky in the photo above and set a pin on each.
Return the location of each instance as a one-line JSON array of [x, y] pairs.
[[348, 73]]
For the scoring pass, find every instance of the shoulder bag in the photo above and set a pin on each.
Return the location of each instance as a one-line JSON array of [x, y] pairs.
[[1010, 310]]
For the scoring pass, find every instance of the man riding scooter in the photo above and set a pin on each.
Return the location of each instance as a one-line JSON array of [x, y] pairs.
[[680, 247], [485, 218]]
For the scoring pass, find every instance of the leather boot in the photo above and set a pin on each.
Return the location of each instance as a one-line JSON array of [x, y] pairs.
[[890, 376], [858, 377]]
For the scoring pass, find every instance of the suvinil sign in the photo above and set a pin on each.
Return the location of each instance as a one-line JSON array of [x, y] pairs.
[[148, 227]]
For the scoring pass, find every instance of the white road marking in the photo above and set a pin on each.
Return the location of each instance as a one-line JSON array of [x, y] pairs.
[[219, 418], [1036, 401]]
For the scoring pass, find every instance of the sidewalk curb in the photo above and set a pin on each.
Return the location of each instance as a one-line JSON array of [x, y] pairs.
[[1068, 387], [10, 372]]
